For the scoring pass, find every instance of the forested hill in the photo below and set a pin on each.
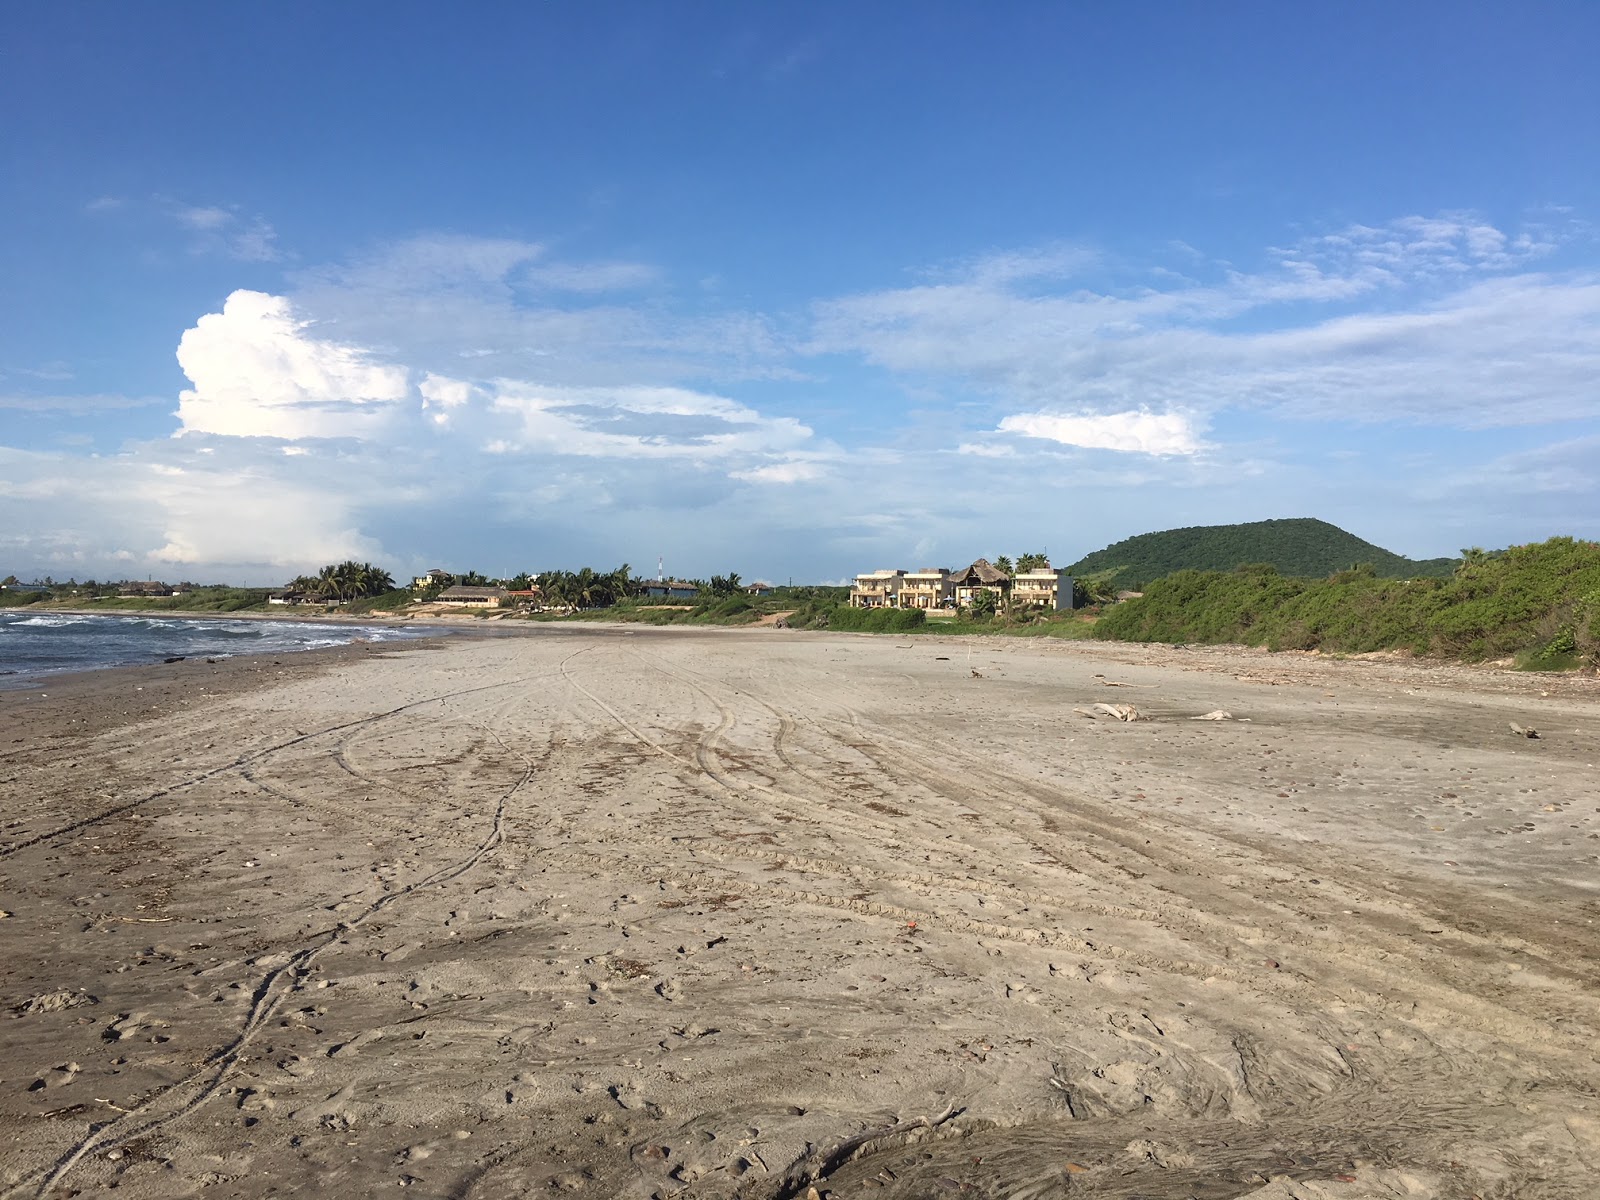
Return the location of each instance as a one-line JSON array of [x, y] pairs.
[[1297, 546]]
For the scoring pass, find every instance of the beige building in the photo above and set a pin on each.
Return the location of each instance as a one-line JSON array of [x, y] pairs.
[[927, 588], [1041, 586], [474, 597], [879, 589]]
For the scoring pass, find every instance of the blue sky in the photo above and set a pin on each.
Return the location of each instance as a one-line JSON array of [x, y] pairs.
[[791, 290]]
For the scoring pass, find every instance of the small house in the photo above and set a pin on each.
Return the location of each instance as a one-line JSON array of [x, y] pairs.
[[474, 597], [670, 589], [981, 576]]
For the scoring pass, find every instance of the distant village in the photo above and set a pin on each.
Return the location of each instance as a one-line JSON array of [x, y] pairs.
[[1031, 584], [560, 590]]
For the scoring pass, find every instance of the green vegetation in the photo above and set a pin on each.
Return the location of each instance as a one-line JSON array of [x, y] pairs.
[[709, 606], [984, 604], [823, 614], [348, 580], [1539, 603], [585, 587], [391, 601], [97, 596], [1301, 546]]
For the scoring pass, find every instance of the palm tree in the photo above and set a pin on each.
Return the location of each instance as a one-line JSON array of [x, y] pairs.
[[329, 583]]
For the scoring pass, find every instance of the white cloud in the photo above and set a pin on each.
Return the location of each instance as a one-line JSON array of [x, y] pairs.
[[794, 471], [1130, 432], [258, 372], [76, 405], [203, 512], [204, 218], [1424, 320], [1562, 469], [167, 505], [442, 394], [515, 312], [642, 422], [593, 277], [223, 231]]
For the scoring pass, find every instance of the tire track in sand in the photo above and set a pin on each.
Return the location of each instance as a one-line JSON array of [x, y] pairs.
[[177, 1100]]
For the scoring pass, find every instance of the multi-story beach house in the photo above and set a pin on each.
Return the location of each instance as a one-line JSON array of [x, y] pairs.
[[438, 577], [981, 576], [1042, 586], [927, 588], [877, 589]]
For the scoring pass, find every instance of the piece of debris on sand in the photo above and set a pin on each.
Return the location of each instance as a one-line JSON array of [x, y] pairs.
[[1520, 731], [1122, 712], [1218, 714]]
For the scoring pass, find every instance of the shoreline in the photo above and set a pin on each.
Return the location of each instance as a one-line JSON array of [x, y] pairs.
[[253, 614], [106, 698]]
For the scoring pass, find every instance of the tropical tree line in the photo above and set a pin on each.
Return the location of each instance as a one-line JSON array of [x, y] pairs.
[[348, 580], [586, 587]]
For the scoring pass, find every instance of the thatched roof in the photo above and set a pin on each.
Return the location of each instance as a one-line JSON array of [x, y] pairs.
[[982, 571]]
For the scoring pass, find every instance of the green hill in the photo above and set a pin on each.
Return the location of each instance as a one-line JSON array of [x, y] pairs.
[[1540, 603], [1300, 546]]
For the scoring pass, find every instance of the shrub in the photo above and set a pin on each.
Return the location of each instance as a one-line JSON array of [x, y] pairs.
[[823, 615], [1541, 602]]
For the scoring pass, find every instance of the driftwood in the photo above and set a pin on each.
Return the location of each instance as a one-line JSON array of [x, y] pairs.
[[1122, 712]]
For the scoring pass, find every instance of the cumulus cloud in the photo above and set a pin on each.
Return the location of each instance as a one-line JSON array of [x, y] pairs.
[[170, 506], [258, 371], [1131, 432], [203, 511]]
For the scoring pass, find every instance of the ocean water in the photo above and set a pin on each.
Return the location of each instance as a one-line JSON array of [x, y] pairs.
[[43, 644]]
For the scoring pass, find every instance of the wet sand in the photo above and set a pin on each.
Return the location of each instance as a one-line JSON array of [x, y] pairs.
[[610, 911]]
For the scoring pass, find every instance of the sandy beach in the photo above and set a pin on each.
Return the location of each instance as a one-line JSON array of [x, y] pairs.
[[627, 912]]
